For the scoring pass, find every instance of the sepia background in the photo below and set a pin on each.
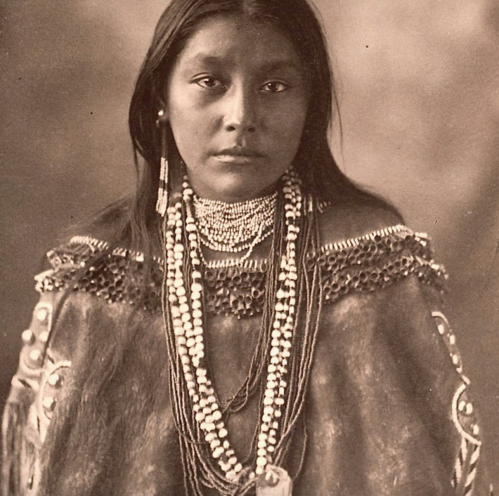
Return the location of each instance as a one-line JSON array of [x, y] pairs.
[[418, 86]]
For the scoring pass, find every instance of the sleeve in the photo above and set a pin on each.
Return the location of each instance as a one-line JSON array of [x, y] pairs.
[[443, 394], [53, 345], [396, 285], [402, 408], [443, 389], [469, 474], [31, 401]]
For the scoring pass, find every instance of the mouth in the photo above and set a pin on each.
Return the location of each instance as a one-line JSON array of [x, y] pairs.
[[238, 155]]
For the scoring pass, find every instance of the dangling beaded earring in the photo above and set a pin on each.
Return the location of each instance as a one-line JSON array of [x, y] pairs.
[[162, 201]]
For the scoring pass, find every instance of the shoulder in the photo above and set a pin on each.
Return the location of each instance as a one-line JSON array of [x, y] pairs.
[[340, 222], [95, 266], [111, 225], [104, 259], [367, 247]]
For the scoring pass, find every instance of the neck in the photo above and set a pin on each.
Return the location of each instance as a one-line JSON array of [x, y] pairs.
[[232, 197]]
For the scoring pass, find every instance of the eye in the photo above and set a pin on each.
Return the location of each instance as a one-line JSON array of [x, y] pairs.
[[274, 87], [209, 82]]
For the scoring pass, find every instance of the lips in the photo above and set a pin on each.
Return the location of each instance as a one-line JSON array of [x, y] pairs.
[[238, 155], [239, 151]]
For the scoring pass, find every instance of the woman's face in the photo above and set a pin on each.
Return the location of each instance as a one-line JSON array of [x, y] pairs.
[[236, 101]]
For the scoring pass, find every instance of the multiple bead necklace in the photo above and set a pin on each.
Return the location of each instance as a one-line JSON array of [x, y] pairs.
[[234, 227], [185, 308]]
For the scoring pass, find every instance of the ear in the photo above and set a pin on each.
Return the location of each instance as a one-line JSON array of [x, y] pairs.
[[162, 117]]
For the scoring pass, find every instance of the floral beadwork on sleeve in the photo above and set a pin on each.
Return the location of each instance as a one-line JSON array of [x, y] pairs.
[[21, 423], [449, 339], [464, 416], [53, 378], [465, 419]]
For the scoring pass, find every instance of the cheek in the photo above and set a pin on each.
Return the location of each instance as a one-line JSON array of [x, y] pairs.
[[287, 128], [182, 118], [185, 114], [188, 131]]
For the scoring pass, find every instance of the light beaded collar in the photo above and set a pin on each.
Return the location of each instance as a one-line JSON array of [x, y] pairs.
[[232, 227]]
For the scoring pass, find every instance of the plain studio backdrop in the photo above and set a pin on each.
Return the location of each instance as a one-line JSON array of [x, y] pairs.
[[418, 87]]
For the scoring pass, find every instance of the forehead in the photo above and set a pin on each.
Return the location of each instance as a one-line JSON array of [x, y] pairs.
[[236, 40]]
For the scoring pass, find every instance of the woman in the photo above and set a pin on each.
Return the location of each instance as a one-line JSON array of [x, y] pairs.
[[250, 320]]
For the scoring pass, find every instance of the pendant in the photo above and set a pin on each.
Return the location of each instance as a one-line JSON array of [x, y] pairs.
[[274, 482]]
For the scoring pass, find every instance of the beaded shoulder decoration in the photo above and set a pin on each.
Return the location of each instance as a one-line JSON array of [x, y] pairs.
[[361, 264]]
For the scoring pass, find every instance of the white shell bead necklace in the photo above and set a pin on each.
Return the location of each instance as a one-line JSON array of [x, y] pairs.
[[187, 318], [233, 227]]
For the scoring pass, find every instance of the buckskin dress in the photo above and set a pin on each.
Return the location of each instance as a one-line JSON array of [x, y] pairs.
[[389, 410]]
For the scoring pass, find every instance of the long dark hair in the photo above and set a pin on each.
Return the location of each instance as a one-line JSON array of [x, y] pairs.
[[314, 162], [133, 221]]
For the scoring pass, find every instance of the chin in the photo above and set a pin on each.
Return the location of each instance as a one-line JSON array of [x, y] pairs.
[[238, 189], [238, 193], [233, 184]]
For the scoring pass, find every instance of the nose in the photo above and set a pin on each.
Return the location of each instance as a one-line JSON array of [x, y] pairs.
[[241, 110]]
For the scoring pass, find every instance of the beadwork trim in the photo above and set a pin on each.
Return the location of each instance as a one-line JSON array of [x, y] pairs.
[[89, 265], [463, 415], [104, 245], [376, 260], [44, 414], [139, 256], [261, 264], [449, 338], [351, 242], [361, 264], [455, 415]]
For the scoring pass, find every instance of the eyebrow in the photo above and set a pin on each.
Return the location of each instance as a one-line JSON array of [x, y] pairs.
[[206, 59], [282, 64], [270, 66]]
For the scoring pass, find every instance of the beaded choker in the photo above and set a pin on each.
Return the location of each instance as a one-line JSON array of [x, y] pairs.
[[234, 227], [197, 409]]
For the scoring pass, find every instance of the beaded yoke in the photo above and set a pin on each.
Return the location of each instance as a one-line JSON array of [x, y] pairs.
[[360, 264]]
